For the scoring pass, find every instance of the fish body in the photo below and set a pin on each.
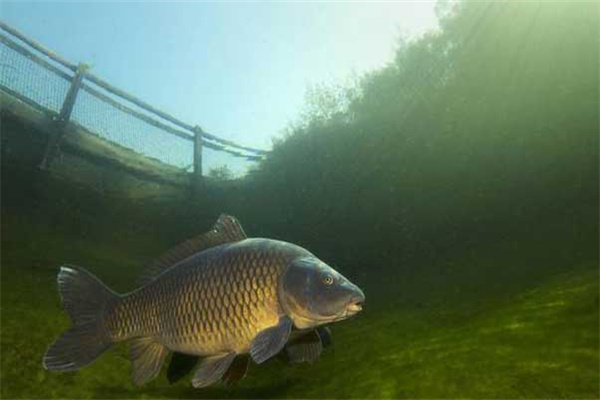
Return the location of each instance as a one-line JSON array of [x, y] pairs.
[[221, 295], [215, 301]]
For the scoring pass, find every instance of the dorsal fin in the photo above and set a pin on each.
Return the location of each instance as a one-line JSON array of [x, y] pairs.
[[227, 229]]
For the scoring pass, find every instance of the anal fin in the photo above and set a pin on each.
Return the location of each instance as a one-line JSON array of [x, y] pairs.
[[237, 370], [147, 356], [212, 369], [182, 364]]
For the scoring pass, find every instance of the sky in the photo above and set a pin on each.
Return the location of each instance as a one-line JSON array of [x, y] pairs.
[[240, 70]]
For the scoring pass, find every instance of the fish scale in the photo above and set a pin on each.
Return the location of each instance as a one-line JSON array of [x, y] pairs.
[[217, 301]]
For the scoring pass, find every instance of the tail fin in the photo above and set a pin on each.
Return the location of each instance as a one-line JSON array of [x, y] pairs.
[[85, 298]]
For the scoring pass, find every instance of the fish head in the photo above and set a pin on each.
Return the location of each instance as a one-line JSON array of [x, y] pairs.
[[313, 293]]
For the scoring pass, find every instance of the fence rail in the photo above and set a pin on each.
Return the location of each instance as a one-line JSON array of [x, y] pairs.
[[69, 92]]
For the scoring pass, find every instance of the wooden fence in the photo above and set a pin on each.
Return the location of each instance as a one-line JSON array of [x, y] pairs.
[[80, 78]]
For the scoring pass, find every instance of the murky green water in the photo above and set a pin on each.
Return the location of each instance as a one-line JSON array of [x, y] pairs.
[[470, 222]]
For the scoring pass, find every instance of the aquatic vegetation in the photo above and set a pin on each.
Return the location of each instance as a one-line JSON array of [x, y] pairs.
[[221, 173], [539, 339], [542, 342], [490, 122]]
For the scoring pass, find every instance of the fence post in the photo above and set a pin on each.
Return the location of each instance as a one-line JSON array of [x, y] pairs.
[[62, 120], [197, 179]]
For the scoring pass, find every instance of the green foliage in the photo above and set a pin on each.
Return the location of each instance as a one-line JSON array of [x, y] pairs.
[[221, 173], [472, 133], [326, 104]]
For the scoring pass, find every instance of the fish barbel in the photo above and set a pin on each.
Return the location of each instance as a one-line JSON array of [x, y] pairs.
[[220, 295]]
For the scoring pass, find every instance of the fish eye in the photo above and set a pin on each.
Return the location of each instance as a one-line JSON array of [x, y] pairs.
[[328, 280]]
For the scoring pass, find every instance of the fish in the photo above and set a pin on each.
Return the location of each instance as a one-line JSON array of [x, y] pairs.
[[221, 296], [303, 346]]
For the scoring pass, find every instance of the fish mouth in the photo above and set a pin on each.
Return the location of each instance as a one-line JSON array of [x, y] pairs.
[[355, 306]]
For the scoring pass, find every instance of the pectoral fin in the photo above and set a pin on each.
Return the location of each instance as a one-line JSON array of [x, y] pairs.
[[304, 348], [181, 365], [147, 357], [212, 369], [271, 340], [325, 335]]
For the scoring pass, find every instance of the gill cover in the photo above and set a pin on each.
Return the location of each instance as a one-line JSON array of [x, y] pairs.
[[313, 293]]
